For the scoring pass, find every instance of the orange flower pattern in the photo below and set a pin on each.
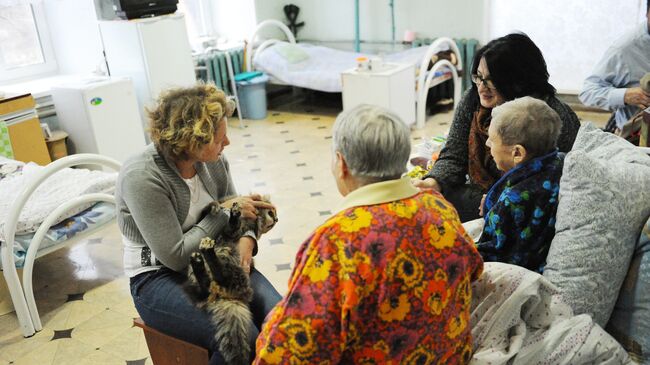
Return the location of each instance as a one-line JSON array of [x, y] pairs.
[[379, 284]]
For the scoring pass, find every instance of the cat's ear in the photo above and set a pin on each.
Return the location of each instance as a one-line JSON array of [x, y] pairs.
[[273, 216]]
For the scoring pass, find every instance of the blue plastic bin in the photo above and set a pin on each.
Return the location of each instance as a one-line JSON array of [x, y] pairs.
[[252, 97]]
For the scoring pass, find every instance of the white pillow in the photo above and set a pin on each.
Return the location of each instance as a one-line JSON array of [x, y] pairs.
[[291, 52], [603, 204]]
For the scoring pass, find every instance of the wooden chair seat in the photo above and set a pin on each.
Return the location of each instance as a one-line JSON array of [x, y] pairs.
[[167, 350]]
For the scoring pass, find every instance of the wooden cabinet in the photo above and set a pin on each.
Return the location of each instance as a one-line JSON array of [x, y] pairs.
[[27, 141]]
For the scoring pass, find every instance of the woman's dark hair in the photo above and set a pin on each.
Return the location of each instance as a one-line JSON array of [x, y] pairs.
[[517, 67]]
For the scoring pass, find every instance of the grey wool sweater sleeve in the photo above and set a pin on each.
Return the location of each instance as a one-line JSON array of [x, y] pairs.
[[451, 168], [153, 202]]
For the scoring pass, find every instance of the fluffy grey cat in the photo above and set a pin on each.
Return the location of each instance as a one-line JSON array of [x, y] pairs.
[[219, 285]]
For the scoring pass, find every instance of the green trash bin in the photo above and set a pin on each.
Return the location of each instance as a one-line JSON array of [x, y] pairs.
[[252, 95]]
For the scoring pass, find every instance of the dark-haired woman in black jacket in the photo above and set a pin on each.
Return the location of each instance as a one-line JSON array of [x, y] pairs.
[[506, 68]]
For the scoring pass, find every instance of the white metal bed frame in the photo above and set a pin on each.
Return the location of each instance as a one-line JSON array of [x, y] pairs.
[[22, 296], [424, 81]]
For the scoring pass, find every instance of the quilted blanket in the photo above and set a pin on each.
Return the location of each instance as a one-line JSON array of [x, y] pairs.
[[57, 189], [519, 317]]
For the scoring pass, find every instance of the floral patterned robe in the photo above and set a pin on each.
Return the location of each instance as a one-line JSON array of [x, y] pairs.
[[384, 281], [520, 219]]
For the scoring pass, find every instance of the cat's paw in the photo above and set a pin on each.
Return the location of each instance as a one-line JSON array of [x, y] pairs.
[[199, 282], [206, 243]]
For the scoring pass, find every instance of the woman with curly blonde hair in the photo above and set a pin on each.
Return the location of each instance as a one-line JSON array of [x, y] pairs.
[[161, 198]]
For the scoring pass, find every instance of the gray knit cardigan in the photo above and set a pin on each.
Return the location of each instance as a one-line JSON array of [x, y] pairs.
[[451, 168], [153, 202]]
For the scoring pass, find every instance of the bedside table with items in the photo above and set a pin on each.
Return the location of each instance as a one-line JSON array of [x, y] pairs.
[[391, 86]]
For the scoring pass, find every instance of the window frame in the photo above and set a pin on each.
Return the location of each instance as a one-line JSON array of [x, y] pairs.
[[49, 64], [204, 26]]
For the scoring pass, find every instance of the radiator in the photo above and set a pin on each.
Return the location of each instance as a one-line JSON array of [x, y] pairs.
[[467, 48], [212, 67]]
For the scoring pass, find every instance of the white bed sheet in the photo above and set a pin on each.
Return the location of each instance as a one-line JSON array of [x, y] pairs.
[[519, 317], [322, 69], [57, 189]]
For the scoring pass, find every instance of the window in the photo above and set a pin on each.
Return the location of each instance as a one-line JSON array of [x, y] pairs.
[[198, 20], [219, 23], [25, 48], [573, 35]]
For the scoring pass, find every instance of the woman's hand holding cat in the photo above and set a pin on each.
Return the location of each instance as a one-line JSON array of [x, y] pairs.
[[246, 245], [248, 205]]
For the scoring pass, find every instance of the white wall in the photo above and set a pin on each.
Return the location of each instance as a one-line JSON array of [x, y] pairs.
[[572, 34], [75, 35], [334, 19]]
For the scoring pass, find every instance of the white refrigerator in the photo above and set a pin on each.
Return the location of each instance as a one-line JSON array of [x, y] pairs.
[[101, 116], [154, 52]]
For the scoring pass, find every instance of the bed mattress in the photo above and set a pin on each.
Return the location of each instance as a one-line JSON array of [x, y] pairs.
[[86, 221], [322, 68]]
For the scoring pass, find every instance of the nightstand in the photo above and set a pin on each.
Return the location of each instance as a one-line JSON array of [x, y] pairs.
[[391, 87]]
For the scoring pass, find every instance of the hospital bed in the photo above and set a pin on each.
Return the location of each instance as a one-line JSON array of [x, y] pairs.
[[320, 68], [44, 209]]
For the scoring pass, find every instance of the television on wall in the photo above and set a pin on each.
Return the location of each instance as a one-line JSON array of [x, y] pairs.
[[134, 9]]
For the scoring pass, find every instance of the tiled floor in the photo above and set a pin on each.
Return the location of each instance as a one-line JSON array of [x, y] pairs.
[[82, 295]]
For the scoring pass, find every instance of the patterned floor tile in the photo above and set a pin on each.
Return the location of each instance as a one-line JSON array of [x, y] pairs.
[[73, 297], [103, 328], [276, 241], [282, 267], [95, 241], [131, 345], [65, 351], [62, 334], [99, 357], [137, 362]]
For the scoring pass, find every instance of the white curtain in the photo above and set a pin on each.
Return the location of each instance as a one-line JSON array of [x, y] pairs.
[[572, 34]]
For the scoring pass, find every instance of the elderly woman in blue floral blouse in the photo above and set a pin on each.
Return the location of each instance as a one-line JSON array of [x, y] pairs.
[[521, 205]]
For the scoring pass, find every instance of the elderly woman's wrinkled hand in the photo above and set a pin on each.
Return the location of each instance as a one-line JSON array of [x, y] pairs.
[[248, 205], [426, 184], [637, 96]]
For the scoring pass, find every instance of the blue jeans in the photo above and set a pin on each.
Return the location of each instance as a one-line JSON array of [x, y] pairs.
[[163, 305]]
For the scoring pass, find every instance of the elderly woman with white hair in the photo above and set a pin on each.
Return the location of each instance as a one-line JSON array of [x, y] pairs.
[[387, 278], [521, 205]]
